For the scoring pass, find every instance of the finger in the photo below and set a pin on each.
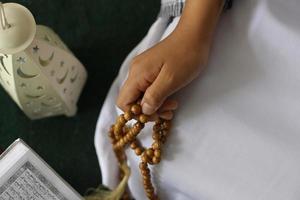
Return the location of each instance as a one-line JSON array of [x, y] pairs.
[[167, 115], [156, 94], [129, 93], [168, 105]]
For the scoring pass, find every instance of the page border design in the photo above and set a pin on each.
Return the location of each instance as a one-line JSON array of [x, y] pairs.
[[38, 174]]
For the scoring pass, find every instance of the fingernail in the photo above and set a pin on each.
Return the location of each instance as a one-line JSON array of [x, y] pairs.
[[167, 115], [147, 109]]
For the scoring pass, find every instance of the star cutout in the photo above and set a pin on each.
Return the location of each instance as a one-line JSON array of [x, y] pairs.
[[35, 49], [21, 60]]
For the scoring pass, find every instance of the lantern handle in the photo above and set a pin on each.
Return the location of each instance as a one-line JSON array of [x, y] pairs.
[[4, 23]]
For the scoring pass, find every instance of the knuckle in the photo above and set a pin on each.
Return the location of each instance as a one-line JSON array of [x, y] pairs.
[[132, 68], [149, 76], [153, 98], [135, 63]]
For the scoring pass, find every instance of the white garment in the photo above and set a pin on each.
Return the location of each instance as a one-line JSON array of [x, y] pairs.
[[236, 135]]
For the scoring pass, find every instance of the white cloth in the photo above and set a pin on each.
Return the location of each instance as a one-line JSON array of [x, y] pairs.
[[236, 135]]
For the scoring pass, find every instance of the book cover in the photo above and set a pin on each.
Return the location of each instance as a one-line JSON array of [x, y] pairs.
[[24, 175]]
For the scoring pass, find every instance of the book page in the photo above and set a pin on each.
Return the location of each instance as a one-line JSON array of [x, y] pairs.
[[27, 183]]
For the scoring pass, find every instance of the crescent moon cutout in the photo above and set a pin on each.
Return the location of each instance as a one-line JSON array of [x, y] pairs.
[[2, 63], [34, 96], [24, 75], [61, 80], [74, 78], [46, 62]]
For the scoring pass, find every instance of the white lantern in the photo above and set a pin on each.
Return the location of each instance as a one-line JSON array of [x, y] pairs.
[[37, 69]]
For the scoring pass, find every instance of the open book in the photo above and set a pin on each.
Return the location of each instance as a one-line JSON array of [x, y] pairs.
[[24, 175]]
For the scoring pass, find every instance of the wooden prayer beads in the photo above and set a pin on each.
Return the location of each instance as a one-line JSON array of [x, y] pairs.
[[122, 136]]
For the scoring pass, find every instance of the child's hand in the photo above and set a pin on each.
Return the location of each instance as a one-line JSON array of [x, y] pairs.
[[160, 71], [170, 65]]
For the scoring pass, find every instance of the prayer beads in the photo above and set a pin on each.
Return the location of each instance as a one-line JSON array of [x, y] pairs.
[[122, 136]]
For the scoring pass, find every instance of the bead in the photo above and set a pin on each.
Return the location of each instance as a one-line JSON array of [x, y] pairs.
[[138, 151], [121, 119], [128, 115], [126, 129], [156, 145], [166, 125], [111, 135], [150, 196], [157, 153], [145, 158], [143, 118], [136, 109], [147, 177], [139, 126], [134, 145], [128, 137], [155, 160], [164, 133], [150, 153], [150, 191], [145, 172], [146, 182], [135, 131], [117, 129], [126, 140], [156, 127], [122, 141], [130, 132], [111, 129], [143, 165], [156, 136], [150, 161]]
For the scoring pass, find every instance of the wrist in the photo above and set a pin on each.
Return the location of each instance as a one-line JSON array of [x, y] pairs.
[[199, 20]]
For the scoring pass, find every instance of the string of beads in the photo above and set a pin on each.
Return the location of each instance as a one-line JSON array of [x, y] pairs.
[[123, 136]]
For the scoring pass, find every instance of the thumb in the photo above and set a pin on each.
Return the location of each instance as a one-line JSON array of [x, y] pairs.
[[157, 93]]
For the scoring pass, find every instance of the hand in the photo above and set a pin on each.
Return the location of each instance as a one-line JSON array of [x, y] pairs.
[[170, 65], [159, 72]]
